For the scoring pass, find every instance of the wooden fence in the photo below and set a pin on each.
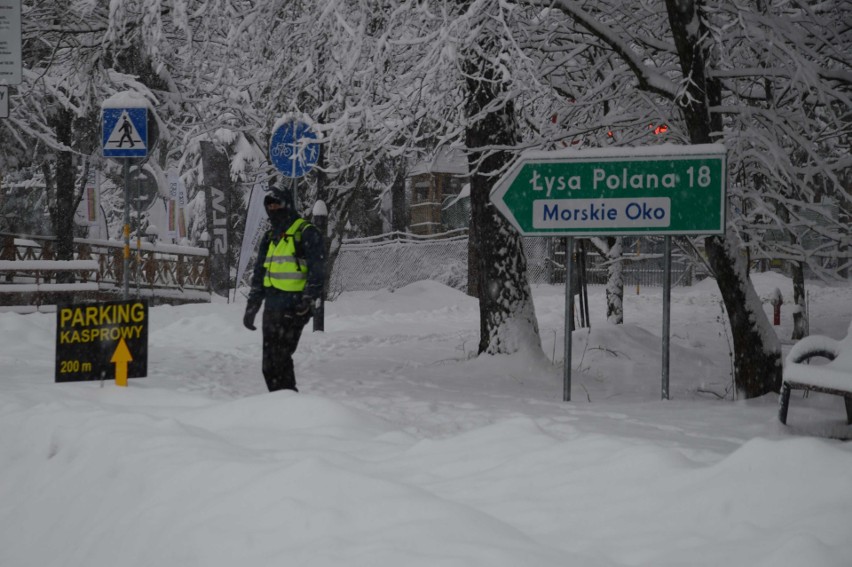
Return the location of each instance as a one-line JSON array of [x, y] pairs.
[[162, 273]]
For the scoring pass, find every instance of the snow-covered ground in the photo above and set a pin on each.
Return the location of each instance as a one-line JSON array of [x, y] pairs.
[[403, 450]]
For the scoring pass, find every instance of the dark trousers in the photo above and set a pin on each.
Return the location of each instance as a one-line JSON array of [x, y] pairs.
[[281, 333]]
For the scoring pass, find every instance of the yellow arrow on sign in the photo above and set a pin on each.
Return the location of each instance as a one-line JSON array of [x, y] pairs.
[[121, 357]]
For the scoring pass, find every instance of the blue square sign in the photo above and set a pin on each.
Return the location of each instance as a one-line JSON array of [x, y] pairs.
[[125, 132]]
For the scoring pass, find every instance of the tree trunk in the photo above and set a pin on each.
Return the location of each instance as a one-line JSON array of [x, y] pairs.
[[612, 250], [800, 313], [399, 216], [472, 257], [65, 176], [615, 282], [507, 315], [757, 352]]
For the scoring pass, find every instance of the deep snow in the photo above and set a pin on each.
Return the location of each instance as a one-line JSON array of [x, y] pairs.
[[404, 450]]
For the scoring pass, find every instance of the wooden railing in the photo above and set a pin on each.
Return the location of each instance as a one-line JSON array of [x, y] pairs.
[[33, 283], [164, 273]]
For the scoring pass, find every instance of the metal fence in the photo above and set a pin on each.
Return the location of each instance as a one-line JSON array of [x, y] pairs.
[[395, 260]]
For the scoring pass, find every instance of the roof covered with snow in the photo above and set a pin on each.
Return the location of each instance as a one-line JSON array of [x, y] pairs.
[[445, 160]]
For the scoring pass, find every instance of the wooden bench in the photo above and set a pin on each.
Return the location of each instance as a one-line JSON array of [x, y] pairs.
[[832, 378], [34, 282]]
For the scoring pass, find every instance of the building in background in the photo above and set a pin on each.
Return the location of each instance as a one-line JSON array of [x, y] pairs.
[[435, 185]]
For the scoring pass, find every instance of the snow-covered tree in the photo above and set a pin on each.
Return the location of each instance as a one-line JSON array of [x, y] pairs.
[[706, 63], [76, 54], [387, 80], [786, 90], [507, 316]]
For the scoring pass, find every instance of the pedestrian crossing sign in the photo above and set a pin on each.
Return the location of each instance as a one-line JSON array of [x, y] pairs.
[[125, 132]]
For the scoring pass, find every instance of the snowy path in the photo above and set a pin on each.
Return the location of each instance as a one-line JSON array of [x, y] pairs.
[[400, 450]]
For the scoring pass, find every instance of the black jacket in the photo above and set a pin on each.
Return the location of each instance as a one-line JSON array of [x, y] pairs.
[[311, 249]]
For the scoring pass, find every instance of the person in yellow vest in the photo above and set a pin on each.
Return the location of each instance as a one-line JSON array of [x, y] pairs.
[[288, 280]]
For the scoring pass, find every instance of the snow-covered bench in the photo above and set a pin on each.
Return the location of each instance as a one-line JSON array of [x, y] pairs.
[[832, 378]]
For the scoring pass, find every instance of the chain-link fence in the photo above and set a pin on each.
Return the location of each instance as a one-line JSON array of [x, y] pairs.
[[398, 260], [395, 260]]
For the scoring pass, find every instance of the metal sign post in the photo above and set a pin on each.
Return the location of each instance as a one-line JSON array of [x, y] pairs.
[[320, 220], [125, 136], [569, 317], [96, 340], [667, 312], [658, 190], [294, 151], [125, 274]]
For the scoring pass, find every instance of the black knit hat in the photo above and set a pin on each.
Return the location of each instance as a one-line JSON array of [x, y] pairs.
[[281, 196]]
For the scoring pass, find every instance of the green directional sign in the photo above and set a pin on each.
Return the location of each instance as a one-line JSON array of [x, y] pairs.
[[616, 191]]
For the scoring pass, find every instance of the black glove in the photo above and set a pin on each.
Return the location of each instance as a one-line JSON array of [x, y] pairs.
[[248, 318], [304, 306]]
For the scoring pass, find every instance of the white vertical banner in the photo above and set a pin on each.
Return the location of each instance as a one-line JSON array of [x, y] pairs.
[[172, 227], [93, 197], [255, 225], [176, 228], [88, 212]]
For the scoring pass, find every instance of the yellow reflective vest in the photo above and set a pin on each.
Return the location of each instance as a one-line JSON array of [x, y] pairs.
[[284, 270]]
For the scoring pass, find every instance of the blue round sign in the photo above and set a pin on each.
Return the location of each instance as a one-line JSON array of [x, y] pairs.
[[293, 149]]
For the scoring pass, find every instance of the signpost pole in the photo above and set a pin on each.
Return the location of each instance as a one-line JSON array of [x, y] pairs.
[[293, 185], [294, 150], [126, 271], [124, 120], [319, 219], [569, 316], [667, 302], [138, 228]]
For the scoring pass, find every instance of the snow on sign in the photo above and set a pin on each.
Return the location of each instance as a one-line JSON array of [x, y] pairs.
[[616, 191], [125, 132], [293, 148]]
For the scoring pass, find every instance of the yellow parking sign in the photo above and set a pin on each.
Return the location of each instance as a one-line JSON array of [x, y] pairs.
[[97, 341]]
